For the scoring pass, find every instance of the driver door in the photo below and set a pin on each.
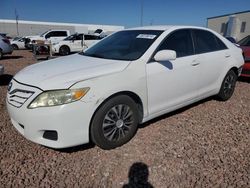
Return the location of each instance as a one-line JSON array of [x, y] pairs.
[[173, 83]]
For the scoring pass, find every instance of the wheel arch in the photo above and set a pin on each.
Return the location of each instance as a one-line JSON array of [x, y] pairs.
[[235, 69], [65, 45], [15, 46], [131, 94]]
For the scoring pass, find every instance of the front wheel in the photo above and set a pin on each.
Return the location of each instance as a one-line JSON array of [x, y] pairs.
[[227, 86], [64, 50], [115, 122]]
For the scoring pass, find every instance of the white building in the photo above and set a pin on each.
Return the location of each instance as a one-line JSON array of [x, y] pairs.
[[26, 28], [236, 25]]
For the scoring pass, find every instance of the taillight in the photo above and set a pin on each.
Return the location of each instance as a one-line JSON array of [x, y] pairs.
[[6, 41]]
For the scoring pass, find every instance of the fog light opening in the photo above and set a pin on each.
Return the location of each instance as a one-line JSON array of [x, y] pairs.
[[50, 135]]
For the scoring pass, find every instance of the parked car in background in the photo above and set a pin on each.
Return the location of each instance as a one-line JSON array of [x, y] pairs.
[[245, 46], [18, 43], [128, 78], [1, 69], [51, 36], [74, 43], [6, 36], [5, 46], [231, 39]]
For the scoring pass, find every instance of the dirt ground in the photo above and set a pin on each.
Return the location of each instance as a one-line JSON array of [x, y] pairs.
[[203, 145]]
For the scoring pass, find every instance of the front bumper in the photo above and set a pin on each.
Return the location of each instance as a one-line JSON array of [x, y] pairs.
[[70, 122]]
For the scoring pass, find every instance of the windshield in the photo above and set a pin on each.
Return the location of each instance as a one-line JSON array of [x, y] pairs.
[[124, 45], [43, 33]]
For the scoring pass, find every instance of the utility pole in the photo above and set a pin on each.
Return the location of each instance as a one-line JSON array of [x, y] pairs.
[[17, 16], [141, 12]]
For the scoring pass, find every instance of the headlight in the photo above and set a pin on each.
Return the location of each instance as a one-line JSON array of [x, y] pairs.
[[58, 97]]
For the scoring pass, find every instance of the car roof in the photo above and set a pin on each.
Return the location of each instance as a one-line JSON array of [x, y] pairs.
[[166, 27]]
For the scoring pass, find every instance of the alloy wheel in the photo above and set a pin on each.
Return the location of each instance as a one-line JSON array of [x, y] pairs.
[[117, 122]]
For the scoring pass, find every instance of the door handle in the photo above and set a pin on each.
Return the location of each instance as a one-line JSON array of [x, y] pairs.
[[227, 55], [195, 63]]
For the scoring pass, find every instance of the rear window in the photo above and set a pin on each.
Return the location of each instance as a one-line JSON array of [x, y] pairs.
[[245, 41], [206, 41]]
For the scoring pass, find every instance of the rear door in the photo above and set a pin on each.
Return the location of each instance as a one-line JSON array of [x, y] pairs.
[[78, 43], [212, 55], [89, 40]]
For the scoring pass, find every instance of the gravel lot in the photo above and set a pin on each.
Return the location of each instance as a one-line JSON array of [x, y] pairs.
[[203, 145]]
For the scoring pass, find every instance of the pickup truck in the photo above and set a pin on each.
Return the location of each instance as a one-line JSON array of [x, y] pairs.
[[74, 43], [49, 36]]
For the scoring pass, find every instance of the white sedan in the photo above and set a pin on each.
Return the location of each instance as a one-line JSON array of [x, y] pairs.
[[124, 80], [18, 44]]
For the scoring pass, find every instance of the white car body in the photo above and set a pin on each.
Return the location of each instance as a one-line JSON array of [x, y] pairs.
[[160, 87], [75, 45], [18, 44]]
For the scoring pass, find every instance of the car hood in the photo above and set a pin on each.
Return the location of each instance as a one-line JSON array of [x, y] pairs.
[[61, 73]]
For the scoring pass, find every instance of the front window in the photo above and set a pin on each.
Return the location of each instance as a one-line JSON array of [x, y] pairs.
[[180, 41], [124, 45]]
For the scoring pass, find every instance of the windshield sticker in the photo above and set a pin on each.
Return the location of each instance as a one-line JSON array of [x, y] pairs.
[[146, 36]]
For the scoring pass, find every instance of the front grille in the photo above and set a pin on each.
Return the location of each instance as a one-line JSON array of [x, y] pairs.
[[18, 97]]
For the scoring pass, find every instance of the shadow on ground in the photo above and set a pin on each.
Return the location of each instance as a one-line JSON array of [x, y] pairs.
[[244, 79], [5, 79], [138, 176], [12, 57], [82, 147]]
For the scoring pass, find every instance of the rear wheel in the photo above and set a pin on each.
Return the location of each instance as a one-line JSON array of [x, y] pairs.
[[115, 122], [64, 50], [227, 86], [15, 47]]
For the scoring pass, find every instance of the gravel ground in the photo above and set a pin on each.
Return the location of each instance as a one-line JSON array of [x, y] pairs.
[[203, 145]]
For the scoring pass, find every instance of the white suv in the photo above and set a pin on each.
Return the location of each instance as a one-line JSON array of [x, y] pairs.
[[126, 79], [74, 43], [51, 36]]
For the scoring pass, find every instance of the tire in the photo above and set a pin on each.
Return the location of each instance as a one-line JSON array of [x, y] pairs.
[[227, 86], [64, 50], [15, 47], [115, 122], [1, 54]]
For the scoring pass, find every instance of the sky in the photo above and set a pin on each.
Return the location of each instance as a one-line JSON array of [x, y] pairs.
[[121, 12]]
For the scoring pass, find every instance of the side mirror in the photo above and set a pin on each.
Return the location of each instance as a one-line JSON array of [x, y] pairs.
[[165, 55]]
